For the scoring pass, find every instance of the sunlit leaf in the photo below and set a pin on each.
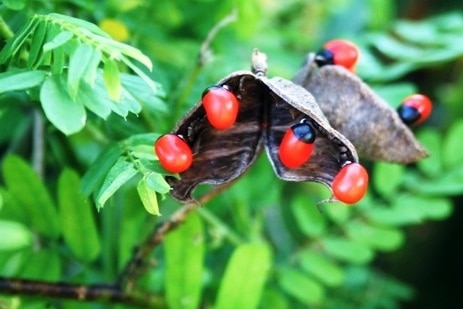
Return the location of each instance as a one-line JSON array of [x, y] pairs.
[[148, 197], [99, 169], [157, 183], [432, 141], [60, 39], [347, 250], [309, 219], [95, 101], [184, 251], [387, 177], [112, 79], [120, 173], [31, 193], [14, 236], [301, 286], [77, 218], [244, 277], [380, 238], [452, 155], [78, 22], [20, 80], [78, 65], [66, 114], [322, 268]]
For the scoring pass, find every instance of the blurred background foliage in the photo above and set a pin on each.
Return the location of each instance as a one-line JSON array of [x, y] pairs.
[[262, 243]]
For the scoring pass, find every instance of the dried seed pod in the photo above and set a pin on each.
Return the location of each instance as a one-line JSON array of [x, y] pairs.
[[268, 107], [357, 112]]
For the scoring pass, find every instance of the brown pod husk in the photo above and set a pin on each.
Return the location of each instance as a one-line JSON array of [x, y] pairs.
[[268, 107], [356, 111]]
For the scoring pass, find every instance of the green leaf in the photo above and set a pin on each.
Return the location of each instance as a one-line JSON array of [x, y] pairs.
[[184, 251], [14, 236], [424, 207], [92, 70], [14, 44], [144, 152], [96, 102], [27, 188], [60, 18], [301, 286], [148, 197], [121, 172], [60, 39], [387, 177], [380, 238], [16, 5], [77, 218], [432, 141], [338, 212], [43, 264], [452, 154], [20, 80], [322, 268], [99, 169], [157, 183], [449, 183], [140, 73], [36, 49], [309, 218], [78, 65], [145, 96], [112, 79], [347, 250], [245, 277], [273, 298], [67, 115]]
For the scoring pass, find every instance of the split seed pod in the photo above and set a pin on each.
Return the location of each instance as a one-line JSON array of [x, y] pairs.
[[268, 107], [357, 112]]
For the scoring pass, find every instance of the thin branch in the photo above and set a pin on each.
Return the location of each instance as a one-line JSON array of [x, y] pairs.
[[138, 263], [179, 98], [38, 147], [5, 31], [101, 293]]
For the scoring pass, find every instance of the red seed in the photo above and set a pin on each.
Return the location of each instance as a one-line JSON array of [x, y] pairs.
[[350, 184], [345, 53], [174, 153], [419, 102], [221, 107], [297, 145]]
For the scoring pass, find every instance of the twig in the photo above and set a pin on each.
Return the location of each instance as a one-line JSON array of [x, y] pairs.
[[138, 263], [102, 293], [38, 147], [203, 58], [5, 31]]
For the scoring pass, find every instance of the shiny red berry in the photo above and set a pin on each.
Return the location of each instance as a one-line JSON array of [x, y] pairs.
[[338, 52], [174, 153], [415, 109], [221, 107], [350, 184], [297, 145]]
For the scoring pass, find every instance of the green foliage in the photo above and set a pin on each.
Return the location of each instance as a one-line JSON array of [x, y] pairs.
[[79, 112]]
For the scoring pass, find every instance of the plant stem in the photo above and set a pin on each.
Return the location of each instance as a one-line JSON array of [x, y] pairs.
[[101, 293], [179, 100], [38, 147], [137, 264], [5, 31]]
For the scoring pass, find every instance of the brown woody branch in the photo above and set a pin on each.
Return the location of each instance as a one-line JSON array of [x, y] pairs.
[[138, 264], [62, 290]]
